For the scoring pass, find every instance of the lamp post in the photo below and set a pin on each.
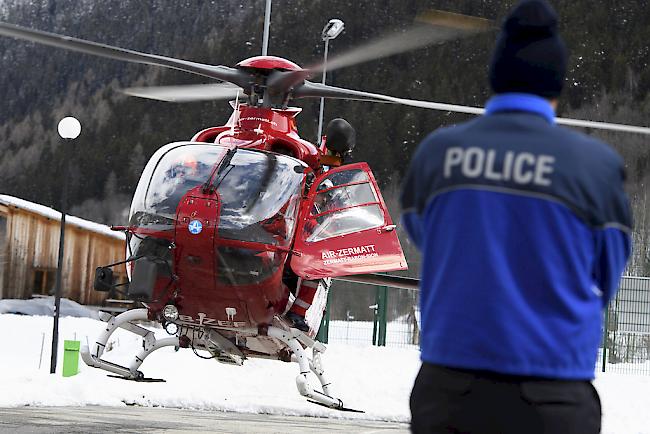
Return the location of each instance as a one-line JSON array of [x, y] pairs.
[[267, 24], [69, 129], [331, 30]]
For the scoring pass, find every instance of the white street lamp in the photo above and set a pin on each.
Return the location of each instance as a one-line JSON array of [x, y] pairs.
[[331, 30], [69, 129]]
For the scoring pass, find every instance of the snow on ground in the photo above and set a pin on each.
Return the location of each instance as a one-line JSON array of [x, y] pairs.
[[625, 400], [376, 380]]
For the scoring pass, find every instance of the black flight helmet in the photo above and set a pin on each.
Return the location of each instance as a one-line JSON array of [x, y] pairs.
[[341, 137]]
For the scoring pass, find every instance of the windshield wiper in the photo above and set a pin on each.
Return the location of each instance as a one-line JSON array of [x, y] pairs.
[[219, 175]]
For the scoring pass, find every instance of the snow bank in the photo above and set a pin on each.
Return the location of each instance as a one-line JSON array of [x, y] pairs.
[[45, 307], [377, 380]]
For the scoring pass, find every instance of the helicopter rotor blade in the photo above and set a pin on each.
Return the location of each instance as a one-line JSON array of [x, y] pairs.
[[602, 125], [309, 89], [232, 75], [187, 93], [317, 90], [432, 27]]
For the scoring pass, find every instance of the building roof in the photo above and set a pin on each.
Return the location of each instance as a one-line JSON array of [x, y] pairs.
[[53, 214]]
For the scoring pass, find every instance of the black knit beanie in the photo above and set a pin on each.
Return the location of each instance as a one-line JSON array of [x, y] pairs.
[[529, 56]]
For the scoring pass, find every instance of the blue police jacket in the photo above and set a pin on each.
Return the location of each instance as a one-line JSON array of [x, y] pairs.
[[524, 230]]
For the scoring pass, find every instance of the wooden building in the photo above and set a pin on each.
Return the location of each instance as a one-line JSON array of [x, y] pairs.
[[29, 243]]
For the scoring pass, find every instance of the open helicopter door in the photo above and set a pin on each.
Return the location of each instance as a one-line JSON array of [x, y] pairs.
[[345, 227]]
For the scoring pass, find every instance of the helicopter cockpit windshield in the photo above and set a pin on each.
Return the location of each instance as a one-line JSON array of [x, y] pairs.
[[258, 193]]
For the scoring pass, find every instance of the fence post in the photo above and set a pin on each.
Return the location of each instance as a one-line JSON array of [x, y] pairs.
[[375, 317], [382, 308], [605, 329], [324, 329]]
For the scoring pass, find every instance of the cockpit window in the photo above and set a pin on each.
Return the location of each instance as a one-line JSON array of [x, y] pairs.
[[345, 202], [177, 172], [259, 195]]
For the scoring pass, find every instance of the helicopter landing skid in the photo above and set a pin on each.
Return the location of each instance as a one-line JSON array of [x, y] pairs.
[[295, 339], [123, 320], [140, 380], [350, 410]]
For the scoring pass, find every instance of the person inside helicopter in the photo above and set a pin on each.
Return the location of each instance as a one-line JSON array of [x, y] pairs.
[[306, 289], [340, 141]]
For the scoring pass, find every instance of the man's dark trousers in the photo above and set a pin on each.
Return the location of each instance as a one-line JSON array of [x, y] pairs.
[[448, 400]]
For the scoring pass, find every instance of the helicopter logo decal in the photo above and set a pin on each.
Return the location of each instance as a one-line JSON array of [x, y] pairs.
[[348, 254], [195, 227], [259, 119]]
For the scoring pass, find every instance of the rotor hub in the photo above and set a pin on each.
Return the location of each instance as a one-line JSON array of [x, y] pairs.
[[270, 63]]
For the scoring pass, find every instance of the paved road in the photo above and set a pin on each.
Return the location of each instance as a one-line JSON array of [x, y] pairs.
[[42, 420]]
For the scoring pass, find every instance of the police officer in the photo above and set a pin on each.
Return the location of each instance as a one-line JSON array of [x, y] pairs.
[[524, 230]]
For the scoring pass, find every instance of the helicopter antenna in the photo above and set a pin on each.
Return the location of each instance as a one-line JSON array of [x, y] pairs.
[[235, 120], [267, 24], [236, 117]]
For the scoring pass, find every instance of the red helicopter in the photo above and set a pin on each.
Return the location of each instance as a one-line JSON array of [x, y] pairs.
[[223, 228]]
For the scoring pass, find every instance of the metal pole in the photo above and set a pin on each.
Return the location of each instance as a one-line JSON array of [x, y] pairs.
[[322, 100], [383, 308], [324, 329], [267, 24], [375, 319], [59, 272], [605, 337], [40, 358]]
